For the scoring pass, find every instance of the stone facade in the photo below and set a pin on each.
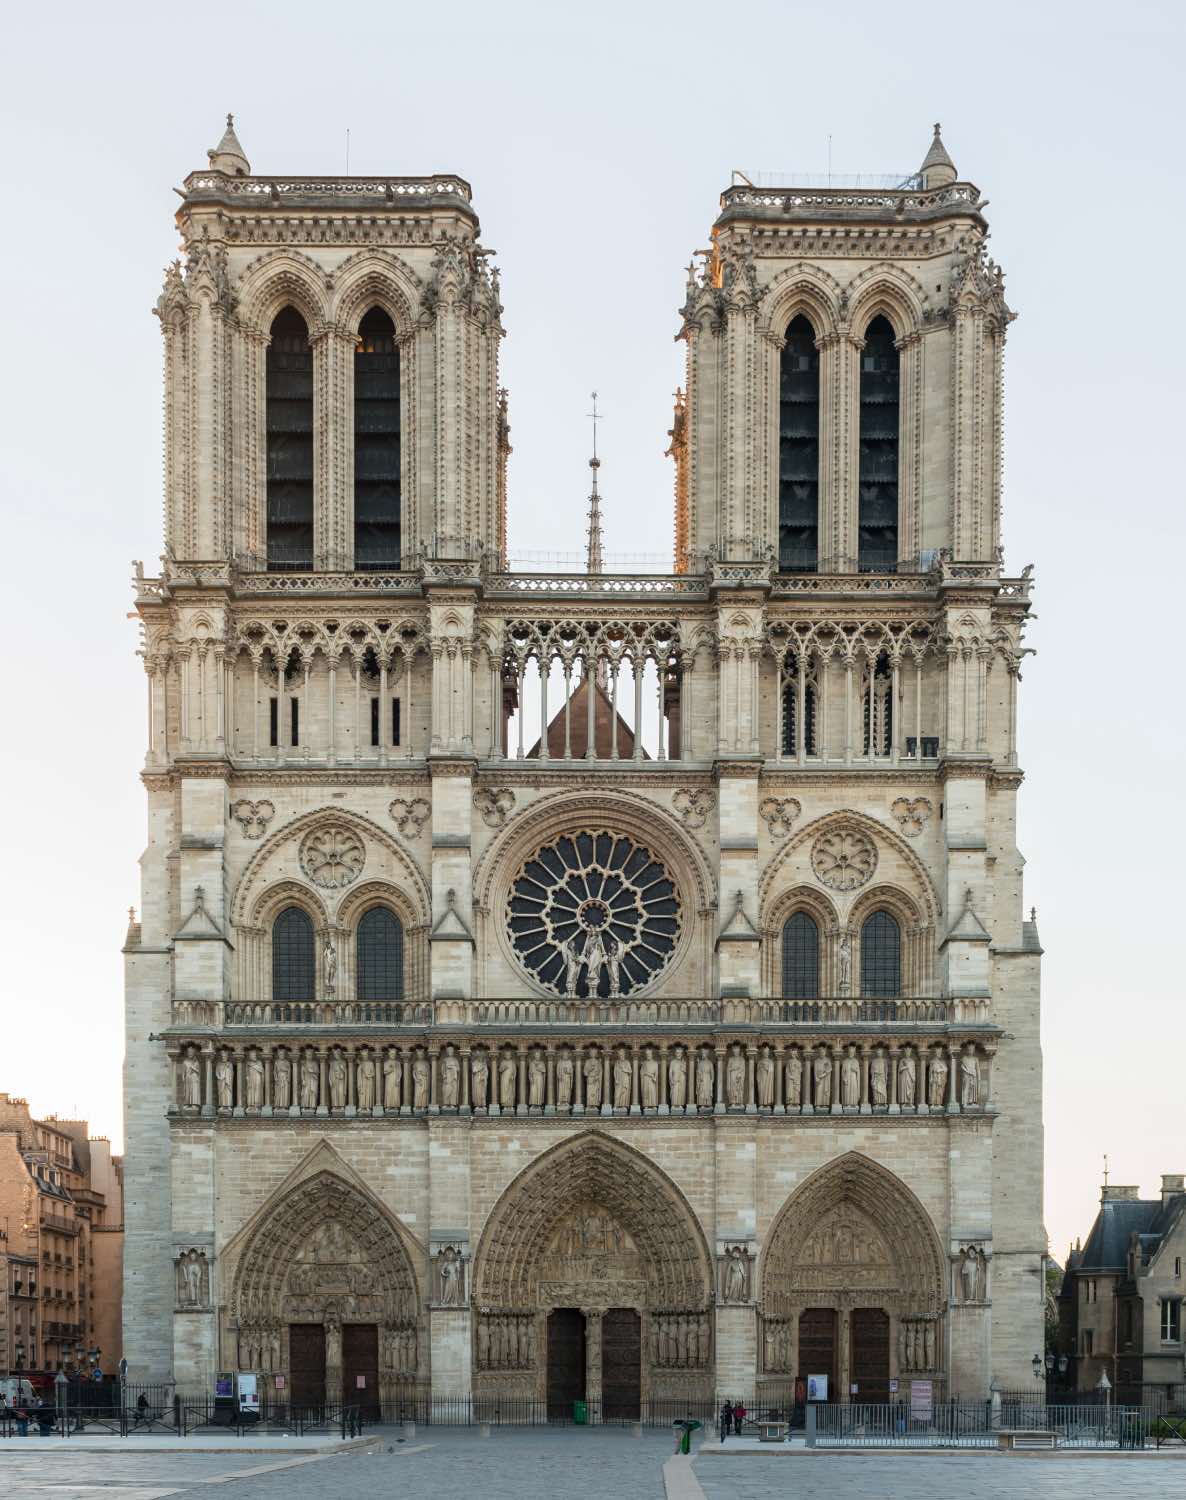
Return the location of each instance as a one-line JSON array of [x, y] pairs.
[[589, 1123]]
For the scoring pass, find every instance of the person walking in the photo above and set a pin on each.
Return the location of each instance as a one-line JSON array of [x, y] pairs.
[[739, 1415], [726, 1421]]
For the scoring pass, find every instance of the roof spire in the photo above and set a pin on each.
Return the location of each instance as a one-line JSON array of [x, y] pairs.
[[937, 168], [594, 558], [228, 156]]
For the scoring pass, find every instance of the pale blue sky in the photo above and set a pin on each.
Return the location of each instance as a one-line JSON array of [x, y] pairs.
[[597, 140]]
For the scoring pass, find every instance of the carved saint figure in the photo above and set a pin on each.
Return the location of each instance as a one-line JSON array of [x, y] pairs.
[[822, 1072], [191, 1079], [969, 1077], [483, 1344], [366, 1082], [450, 1079], [937, 1080], [564, 1080], [331, 965], [928, 1330], [506, 1080], [623, 1077], [572, 965], [704, 1081], [281, 1080], [764, 1079], [592, 1071], [449, 1265], [421, 1078], [907, 1077], [693, 1341], [189, 1279], [595, 958], [844, 963], [850, 1079], [794, 1078], [970, 1268], [310, 1081], [393, 1079], [648, 1080], [537, 1078], [677, 1079], [878, 1079], [224, 1080], [254, 1073], [736, 1275], [337, 1079], [479, 1077], [735, 1078]]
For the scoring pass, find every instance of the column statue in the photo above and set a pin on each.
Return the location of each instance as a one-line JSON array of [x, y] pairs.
[[479, 1075], [450, 1079], [677, 1079], [850, 1079], [592, 1071], [393, 1079], [735, 1078], [366, 1082], [564, 1079], [794, 1078], [648, 1080], [281, 1080]]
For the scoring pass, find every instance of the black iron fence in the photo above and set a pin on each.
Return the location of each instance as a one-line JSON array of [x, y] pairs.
[[180, 1416]]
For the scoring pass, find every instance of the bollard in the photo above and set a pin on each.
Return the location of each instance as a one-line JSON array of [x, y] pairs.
[[636, 1429], [811, 1420], [483, 1429], [409, 1429]]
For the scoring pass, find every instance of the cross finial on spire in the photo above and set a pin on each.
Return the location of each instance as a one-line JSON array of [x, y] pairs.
[[594, 557], [1105, 1169]]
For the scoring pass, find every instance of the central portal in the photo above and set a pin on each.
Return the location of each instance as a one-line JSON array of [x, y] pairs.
[[621, 1365], [566, 1362]]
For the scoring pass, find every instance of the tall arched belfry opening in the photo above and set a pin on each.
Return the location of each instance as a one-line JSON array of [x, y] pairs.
[[584, 986]]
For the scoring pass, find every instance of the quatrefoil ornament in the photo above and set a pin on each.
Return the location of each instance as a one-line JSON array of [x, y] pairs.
[[912, 814], [410, 817], [252, 817], [779, 814]]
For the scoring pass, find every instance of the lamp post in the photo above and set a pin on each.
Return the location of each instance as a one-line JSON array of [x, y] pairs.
[[61, 1388]]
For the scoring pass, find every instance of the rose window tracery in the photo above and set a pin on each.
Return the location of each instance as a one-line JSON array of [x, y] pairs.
[[332, 857], [593, 914], [844, 859]]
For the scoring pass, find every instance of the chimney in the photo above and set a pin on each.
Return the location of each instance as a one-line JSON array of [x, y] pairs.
[[1171, 1183], [1112, 1192]]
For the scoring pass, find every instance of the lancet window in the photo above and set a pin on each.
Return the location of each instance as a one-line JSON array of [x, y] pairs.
[[800, 958], [877, 519], [878, 707], [379, 951], [798, 450], [376, 445], [290, 444], [799, 713], [881, 956], [293, 956]]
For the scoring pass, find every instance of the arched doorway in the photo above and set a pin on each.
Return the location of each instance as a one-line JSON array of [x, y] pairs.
[[592, 1281], [326, 1298], [852, 1285]]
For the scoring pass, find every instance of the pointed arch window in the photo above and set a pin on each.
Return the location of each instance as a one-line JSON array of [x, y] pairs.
[[879, 707], [376, 445], [798, 450], [379, 949], [881, 956], [293, 956], [877, 519], [800, 958], [791, 731], [290, 444]]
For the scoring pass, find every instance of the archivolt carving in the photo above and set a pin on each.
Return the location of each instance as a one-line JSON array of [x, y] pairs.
[[888, 289], [592, 1199], [801, 288], [277, 278], [376, 278], [853, 1227]]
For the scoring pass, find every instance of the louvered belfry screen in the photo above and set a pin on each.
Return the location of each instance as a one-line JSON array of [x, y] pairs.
[[798, 451], [376, 445], [290, 445], [877, 519]]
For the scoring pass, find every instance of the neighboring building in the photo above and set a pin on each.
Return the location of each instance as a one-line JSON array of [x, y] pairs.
[[1122, 1294], [658, 1026], [61, 1214]]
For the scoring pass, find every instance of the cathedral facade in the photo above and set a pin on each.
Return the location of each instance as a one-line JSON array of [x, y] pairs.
[[592, 986]]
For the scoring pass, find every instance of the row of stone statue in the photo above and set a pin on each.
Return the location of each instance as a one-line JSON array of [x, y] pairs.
[[675, 1078], [261, 1347], [506, 1341], [679, 1341], [917, 1344]]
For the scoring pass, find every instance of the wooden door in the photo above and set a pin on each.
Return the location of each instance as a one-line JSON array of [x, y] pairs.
[[621, 1364], [566, 1362], [817, 1346], [360, 1359], [869, 1353], [306, 1362]]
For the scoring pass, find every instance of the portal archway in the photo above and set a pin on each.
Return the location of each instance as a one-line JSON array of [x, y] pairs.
[[593, 1280], [852, 1283]]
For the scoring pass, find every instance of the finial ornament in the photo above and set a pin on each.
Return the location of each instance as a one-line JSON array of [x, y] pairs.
[[594, 556]]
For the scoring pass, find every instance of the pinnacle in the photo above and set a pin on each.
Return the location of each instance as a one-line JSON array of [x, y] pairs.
[[937, 169], [228, 156]]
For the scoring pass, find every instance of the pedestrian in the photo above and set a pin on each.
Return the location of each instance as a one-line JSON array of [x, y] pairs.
[[726, 1420], [739, 1415], [20, 1415], [141, 1408], [43, 1415]]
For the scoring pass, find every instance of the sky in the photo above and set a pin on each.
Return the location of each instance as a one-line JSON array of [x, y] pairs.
[[597, 140]]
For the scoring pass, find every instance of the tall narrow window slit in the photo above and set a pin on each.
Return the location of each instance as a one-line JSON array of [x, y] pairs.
[[289, 422], [376, 444], [877, 519], [798, 450]]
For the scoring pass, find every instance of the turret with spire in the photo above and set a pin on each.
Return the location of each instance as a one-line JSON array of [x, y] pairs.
[[228, 156], [937, 169]]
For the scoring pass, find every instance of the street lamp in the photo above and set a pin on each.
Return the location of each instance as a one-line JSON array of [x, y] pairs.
[[1105, 1385], [20, 1355], [1037, 1364]]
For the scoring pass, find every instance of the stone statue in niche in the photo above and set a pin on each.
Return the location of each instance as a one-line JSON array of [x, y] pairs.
[[193, 1279], [330, 954], [337, 1079], [393, 1079], [450, 1079], [310, 1081], [850, 1079], [844, 963], [450, 1266], [281, 1080], [735, 1078], [648, 1080], [479, 1078], [936, 1080], [253, 1070], [969, 1077], [764, 1078], [592, 1071], [736, 1277], [537, 1080], [224, 1080], [191, 1079], [677, 1079], [506, 1080], [907, 1078], [623, 1078], [366, 1083], [878, 1079], [972, 1274], [564, 1080], [821, 1070], [794, 1078], [421, 1080], [704, 1080]]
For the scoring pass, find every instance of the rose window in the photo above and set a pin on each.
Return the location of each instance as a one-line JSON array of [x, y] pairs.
[[332, 857], [593, 914], [844, 860]]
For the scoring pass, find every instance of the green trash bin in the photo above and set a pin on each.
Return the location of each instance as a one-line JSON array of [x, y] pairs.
[[580, 1413]]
